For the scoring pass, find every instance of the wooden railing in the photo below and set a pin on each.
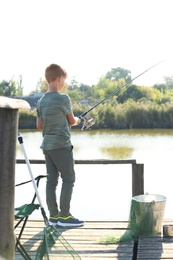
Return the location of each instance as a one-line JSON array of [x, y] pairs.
[[137, 171]]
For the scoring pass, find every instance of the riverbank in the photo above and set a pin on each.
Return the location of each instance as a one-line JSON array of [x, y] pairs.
[[129, 115]]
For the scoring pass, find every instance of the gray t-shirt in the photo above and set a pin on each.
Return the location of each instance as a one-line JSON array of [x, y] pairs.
[[53, 109]]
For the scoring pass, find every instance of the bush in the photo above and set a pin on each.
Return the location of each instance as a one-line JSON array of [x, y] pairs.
[[129, 115], [27, 119]]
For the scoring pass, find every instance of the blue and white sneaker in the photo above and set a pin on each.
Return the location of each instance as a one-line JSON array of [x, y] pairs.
[[69, 221], [53, 221]]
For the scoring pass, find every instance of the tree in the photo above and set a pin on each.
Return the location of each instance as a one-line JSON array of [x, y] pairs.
[[75, 95], [19, 91], [169, 82], [139, 92], [86, 91], [118, 73], [132, 92], [73, 84], [40, 87], [8, 88], [161, 87], [43, 86]]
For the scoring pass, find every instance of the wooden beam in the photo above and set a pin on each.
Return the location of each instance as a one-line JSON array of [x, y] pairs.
[[137, 170], [8, 133], [95, 161], [137, 179]]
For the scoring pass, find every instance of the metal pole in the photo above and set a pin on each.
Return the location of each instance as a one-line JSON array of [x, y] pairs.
[[8, 134]]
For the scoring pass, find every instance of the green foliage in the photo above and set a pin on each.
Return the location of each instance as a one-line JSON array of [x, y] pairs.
[[108, 240], [75, 95], [128, 106], [27, 119], [11, 88], [169, 82], [129, 115], [41, 87], [118, 73], [8, 88], [85, 90], [161, 87]]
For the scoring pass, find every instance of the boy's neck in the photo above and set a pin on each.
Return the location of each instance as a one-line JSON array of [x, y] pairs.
[[53, 87]]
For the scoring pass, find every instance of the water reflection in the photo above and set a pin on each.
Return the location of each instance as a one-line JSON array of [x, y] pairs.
[[108, 144], [117, 152]]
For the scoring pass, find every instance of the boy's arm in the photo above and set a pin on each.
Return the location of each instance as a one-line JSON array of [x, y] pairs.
[[73, 120], [39, 124]]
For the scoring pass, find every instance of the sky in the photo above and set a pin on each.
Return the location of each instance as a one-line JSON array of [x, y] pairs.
[[87, 38]]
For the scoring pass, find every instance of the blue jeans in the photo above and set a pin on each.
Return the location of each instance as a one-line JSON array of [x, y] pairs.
[[59, 162]]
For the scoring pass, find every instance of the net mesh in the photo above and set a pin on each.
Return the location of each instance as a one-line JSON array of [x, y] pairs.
[[144, 220], [54, 244]]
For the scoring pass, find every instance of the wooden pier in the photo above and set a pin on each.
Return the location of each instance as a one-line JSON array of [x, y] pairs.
[[137, 170], [85, 241]]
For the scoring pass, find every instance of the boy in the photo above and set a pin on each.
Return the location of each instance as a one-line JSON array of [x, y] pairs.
[[54, 118]]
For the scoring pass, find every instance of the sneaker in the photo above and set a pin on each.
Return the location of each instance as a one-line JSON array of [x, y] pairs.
[[69, 221], [53, 221]]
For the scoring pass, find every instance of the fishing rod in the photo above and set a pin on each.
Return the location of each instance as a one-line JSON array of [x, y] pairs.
[[89, 122]]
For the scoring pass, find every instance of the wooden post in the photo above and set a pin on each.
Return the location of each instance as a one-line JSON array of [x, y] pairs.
[[8, 135], [137, 179]]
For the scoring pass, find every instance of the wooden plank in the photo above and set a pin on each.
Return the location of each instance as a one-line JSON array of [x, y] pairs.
[[84, 240], [155, 248], [98, 161]]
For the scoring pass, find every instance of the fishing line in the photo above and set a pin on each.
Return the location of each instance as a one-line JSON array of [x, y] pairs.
[[87, 123], [91, 121], [114, 98]]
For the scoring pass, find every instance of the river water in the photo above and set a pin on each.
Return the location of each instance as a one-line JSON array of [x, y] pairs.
[[103, 192]]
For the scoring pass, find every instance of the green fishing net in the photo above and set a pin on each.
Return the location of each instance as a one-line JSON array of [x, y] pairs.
[[145, 219], [54, 244]]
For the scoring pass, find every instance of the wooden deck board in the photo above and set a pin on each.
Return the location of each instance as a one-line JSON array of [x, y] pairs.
[[84, 240], [155, 248]]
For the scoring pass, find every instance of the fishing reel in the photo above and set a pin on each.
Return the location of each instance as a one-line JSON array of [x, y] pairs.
[[87, 123]]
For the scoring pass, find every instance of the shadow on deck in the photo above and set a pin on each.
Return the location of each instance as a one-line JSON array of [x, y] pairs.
[[85, 241]]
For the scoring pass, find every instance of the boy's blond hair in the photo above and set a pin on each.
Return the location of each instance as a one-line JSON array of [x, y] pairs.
[[53, 71]]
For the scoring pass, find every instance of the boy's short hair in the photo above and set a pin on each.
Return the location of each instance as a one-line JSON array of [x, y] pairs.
[[53, 71]]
